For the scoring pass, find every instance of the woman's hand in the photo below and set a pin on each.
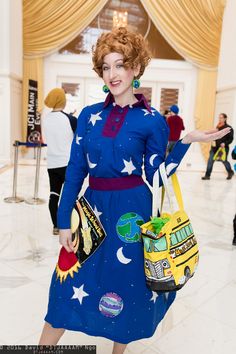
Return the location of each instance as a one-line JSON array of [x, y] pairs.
[[65, 239], [205, 136]]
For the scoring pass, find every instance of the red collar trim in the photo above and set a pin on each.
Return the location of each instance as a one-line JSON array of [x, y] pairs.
[[142, 102]]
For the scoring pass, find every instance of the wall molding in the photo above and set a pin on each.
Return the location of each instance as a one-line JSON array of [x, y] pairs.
[[226, 88], [11, 76]]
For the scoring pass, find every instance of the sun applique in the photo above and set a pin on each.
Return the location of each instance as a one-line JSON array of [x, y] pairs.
[[67, 264]]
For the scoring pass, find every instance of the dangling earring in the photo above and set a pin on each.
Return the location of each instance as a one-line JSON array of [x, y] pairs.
[[105, 89], [136, 83]]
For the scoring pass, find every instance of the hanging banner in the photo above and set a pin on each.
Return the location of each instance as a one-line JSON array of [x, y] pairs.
[[33, 117]]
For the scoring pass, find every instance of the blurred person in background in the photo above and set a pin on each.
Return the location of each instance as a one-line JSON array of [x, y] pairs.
[[223, 142], [176, 125], [58, 133], [234, 221]]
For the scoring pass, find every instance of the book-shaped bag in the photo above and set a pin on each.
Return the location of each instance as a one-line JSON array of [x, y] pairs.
[[87, 230]]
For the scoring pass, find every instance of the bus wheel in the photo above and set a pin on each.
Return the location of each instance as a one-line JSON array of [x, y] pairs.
[[187, 273]]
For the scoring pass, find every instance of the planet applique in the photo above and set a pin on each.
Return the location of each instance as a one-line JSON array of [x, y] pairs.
[[128, 227], [110, 305]]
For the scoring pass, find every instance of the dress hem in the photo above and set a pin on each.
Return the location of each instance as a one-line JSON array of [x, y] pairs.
[[99, 334]]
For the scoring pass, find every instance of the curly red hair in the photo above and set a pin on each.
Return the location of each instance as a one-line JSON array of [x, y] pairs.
[[133, 47]]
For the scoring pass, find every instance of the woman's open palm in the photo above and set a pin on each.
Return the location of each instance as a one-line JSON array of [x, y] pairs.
[[206, 135]]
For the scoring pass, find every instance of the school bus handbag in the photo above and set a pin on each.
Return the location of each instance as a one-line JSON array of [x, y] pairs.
[[170, 246]]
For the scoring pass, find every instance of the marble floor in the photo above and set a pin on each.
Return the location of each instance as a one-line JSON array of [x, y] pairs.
[[202, 319]]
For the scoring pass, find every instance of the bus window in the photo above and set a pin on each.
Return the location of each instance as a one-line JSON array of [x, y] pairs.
[[182, 233], [147, 244], [178, 236], [160, 244], [173, 239], [190, 226], [187, 228], [185, 232]]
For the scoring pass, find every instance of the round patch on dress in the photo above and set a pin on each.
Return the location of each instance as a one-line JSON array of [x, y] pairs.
[[128, 227], [110, 305]]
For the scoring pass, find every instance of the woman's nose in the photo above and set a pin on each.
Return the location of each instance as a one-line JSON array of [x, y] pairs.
[[112, 73]]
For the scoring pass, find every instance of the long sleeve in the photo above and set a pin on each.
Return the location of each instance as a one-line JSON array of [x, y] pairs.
[[76, 172], [155, 154], [227, 139]]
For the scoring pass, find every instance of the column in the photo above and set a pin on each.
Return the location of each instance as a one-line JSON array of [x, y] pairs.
[[226, 84], [10, 76]]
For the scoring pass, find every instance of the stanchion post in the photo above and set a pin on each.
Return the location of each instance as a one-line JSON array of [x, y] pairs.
[[36, 185], [35, 199], [14, 198]]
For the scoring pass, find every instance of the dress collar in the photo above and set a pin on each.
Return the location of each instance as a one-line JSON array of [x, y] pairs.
[[142, 102]]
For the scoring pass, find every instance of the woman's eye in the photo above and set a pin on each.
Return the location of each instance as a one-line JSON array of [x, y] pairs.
[[105, 68], [119, 66]]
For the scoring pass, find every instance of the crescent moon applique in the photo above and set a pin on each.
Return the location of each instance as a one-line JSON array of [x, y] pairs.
[[121, 256], [152, 158], [170, 167], [91, 165]]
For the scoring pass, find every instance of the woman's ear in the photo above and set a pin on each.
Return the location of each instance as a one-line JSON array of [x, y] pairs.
[[137, 70]]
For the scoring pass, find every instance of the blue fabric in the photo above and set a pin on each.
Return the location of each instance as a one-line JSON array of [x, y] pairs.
[[113, 300]]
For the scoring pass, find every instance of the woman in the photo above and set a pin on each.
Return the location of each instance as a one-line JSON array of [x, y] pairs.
[[224, 143], [58, 131], [107, 296]]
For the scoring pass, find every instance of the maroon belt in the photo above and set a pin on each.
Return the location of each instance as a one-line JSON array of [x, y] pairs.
[[119, 183]]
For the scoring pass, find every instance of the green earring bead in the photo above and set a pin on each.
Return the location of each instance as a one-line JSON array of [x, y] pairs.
[[136, 83], [105, 89]]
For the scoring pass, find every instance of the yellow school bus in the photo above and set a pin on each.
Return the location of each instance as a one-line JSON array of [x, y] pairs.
[[171, 257]]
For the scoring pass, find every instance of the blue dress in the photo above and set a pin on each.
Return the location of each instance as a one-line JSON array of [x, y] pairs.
[[108, 296]]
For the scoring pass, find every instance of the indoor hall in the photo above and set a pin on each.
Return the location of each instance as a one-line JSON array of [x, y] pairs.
[[191, 71]]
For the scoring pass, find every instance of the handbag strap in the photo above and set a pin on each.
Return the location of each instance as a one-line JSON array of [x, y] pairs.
[[166, 186], [177, 191], [157, 200]]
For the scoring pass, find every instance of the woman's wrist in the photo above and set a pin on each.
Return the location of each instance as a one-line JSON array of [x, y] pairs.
[[186, 139]]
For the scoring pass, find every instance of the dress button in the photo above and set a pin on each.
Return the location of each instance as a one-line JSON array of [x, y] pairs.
[[117, 119]]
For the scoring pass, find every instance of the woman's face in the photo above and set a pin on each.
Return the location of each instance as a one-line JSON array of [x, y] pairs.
[[116, 76], [222, 119]]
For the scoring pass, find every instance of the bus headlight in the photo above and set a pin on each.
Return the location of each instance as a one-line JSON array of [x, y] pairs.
[[165, 263]]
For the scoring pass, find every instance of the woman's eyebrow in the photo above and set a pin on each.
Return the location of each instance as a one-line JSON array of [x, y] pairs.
[[115, 61]]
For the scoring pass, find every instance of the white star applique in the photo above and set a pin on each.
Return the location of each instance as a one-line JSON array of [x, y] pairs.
[[129, 167], [77, 139], [146, 112], [94, 117], [97, 213], [79, 293], [154, 296]]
